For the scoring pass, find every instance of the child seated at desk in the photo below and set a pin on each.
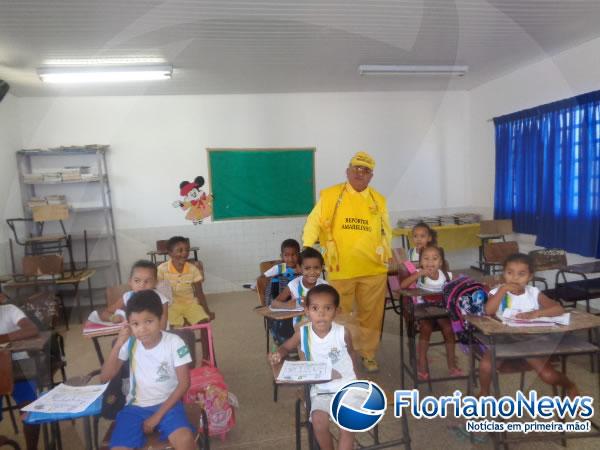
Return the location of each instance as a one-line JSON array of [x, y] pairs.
[[160, 376], [189, 304], [143, 276], [516, 294], [281, 275], [311, 265], [14, 326], [432, 276], [422, 236], [320, 340]]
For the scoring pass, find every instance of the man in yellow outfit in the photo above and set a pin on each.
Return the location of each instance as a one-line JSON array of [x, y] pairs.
[[352, 225]]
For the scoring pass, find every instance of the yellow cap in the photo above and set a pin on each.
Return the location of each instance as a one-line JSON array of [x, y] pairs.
[[363, 159]]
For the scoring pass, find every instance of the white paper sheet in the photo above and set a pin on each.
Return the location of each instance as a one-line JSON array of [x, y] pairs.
[[301, 371], [510, 319], [94, 317], [296, 309], [67, 399]]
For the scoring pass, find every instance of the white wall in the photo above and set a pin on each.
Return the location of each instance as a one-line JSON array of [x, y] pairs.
[[10, 203], [572, 72], [419, 140]]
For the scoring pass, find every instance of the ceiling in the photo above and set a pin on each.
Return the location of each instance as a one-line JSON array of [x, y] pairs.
[[263, 46]]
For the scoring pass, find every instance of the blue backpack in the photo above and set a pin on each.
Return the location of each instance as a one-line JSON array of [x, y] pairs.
[[463, 296]]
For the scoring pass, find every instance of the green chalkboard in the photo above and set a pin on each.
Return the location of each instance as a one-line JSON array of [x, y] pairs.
[[260, 182]]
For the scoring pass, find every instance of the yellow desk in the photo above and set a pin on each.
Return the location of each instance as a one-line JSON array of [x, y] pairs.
[[450, 237]]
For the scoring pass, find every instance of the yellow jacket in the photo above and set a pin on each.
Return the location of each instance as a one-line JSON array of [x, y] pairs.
[[353, 229]]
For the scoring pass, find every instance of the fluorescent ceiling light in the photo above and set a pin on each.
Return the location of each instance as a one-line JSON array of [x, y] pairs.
[[102, 74], [378, 69], [121, 61]]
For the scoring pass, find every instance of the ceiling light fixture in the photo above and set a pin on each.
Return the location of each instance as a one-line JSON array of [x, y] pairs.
[[104, 74], [380, 69]]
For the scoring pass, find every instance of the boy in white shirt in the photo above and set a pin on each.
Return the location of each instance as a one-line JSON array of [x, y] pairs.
[[14, 325], [311, 265], [158, 364]]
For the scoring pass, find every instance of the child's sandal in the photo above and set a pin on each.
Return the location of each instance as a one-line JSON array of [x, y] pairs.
[[423, 376], [456, 372]]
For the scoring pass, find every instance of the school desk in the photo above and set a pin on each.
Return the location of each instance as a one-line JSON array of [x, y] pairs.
[[413, 314], [35, 347], [450, 237], [96, 335], [270, 315], [52, 420], [506, 342], [67, 278], [589, 287], [312, 442]]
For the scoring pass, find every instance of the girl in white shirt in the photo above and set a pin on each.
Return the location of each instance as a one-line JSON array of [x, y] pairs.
[[422, 236], [530, 303], [432, 276]]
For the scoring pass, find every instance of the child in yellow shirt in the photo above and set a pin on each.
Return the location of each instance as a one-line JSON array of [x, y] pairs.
[[188, 302]]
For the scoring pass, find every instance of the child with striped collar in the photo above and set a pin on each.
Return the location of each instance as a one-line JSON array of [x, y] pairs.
[[323, 340], [293, 295], [159, 368]]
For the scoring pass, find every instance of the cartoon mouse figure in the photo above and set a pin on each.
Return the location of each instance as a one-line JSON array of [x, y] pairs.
[[195, 201]]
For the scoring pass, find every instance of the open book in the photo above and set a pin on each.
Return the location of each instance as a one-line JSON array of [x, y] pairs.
[[509, 317]]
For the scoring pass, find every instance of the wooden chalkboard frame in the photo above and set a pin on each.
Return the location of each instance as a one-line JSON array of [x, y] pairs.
[[210, 150]]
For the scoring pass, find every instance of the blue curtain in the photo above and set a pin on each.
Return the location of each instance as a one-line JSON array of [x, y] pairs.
[[548, 173]]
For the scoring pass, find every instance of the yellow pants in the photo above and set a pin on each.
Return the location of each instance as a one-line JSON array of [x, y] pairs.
[[368, 294], [192, 312]]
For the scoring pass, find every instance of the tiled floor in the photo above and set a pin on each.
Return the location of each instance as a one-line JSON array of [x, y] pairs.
[[263, 424]]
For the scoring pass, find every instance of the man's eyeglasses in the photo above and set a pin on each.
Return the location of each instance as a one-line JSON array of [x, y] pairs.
[[362, 170]]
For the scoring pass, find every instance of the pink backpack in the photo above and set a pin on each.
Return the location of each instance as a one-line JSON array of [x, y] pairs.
[[208, 389]]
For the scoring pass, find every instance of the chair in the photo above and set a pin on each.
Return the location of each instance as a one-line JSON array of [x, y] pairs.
[[52, 360], [162, 250], [196, 415], [396, 272], [4, 441], [37, 243], [491, 230], [411, 315], [547, 259], [45, 268], [495, 253], [6, 386], [569, 291]]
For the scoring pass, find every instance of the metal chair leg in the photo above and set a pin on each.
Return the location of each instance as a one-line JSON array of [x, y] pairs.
[[11, 412]]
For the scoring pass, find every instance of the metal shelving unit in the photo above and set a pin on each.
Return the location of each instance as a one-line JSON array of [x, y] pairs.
[[96, 247]]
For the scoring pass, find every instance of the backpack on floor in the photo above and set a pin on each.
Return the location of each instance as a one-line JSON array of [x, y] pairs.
[[208, 389], [463, 296]]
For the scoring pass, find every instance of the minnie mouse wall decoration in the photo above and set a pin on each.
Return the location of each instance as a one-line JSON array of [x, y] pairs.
[[195, 201]]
